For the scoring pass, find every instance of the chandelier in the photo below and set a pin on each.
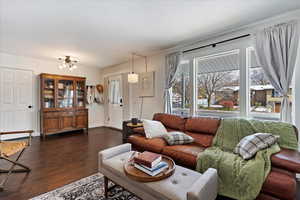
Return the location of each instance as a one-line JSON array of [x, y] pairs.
[[68, 62]]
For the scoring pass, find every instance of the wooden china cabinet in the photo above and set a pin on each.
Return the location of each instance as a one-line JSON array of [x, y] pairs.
[[63, 104]]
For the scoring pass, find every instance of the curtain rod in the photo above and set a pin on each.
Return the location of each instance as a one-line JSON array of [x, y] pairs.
[[214, 44]]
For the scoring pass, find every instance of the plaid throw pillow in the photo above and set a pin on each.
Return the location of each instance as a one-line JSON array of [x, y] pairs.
[[176, 137], [251, 144]]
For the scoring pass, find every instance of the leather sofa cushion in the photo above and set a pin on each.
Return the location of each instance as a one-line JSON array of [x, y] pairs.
[[184, 155], [143, 144], [205, 140], [170, 121], [202, 125], [281, 184], [287, 159], [141, 131]]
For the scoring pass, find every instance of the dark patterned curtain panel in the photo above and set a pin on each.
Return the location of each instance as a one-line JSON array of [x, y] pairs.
[[276, 49]]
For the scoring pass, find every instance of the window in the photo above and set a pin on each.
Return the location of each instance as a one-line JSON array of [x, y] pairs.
[[114, 91], [218, 82], [264, 99], [225, 83], [182, 91]]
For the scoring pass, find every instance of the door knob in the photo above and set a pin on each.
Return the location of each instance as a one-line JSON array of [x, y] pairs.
[[30, 106]]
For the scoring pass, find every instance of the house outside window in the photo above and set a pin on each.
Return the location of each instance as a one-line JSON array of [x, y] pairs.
[[264, 98], [217, 80]]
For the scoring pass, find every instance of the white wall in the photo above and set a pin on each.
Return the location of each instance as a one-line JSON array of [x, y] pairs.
[[151, 104], [38, 66], [156, 63]]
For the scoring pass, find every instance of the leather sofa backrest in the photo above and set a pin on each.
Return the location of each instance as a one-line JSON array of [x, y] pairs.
[[170, 121], [202, 125]]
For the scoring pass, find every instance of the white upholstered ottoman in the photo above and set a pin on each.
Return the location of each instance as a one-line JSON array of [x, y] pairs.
[[184, 184]]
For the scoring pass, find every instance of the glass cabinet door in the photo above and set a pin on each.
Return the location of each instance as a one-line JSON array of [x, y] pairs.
[[65, 94], [49, 93], [80, 89]]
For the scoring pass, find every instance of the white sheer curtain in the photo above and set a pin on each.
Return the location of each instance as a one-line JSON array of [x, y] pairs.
[[172, 62], [276, 49]]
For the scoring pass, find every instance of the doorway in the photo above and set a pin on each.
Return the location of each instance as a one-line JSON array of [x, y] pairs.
[[115, 102], [16, 99]]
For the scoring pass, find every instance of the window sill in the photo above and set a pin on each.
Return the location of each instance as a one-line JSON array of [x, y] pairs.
[[263, 116], [273, 117], [217, 114]]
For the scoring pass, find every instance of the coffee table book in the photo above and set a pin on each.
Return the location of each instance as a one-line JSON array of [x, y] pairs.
[[152, 171], [136, 174], [148, 159]]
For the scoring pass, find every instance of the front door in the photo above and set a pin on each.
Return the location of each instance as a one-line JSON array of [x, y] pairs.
[[16, 101], [115, 102]]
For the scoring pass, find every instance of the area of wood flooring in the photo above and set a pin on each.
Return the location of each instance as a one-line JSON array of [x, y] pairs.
[[59, 160]]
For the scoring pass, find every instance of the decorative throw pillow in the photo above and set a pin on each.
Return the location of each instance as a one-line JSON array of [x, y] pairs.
[[251, 144], [154, 129], [176, 137]]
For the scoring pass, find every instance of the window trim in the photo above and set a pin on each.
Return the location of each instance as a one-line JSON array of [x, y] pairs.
[[211, 112]]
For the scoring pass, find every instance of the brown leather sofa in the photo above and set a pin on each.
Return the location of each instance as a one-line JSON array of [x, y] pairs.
[[280, 184]]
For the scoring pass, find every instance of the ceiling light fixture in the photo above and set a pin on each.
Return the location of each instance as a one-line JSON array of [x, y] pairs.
[[133, 77], [68, 62]]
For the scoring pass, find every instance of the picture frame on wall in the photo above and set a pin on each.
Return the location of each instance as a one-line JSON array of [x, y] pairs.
[[146, 87]]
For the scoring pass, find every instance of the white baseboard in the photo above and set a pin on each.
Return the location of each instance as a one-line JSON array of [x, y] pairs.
[[14, 136], [94, 125]]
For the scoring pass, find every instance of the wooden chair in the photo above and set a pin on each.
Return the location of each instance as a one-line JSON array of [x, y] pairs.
[[10, 148]]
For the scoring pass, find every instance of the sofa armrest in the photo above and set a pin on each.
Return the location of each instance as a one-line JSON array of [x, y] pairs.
[[111, 152], [206, 187], [139, 130], [287, 159]]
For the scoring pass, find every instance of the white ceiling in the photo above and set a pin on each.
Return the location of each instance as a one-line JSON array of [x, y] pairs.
[[104, 32]]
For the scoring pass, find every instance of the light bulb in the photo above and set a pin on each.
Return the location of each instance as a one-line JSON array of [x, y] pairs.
[[133, 78]]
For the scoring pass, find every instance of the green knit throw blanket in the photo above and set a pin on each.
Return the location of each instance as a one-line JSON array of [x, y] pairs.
[[238, 178]]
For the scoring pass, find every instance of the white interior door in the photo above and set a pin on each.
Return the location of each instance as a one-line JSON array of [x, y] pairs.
[[115, 102], [16, 99]]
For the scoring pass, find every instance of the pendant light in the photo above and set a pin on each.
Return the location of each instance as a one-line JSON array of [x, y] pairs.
[[133, 77]]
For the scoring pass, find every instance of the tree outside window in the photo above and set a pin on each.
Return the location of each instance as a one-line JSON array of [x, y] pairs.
[[218, 81]]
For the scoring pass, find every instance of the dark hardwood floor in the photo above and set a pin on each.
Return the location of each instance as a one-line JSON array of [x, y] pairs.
[[60, 160]]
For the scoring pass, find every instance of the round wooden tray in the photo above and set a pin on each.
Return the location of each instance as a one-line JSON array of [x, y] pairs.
[[138, 175]]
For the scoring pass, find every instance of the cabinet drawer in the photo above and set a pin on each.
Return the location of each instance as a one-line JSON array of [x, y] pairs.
[[51, 124], [67, 122], [57, 114], [67, 114], [81, 112], [50, 114], [81, 121]]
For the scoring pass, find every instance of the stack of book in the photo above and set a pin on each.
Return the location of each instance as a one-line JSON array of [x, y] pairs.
[[150, 163]]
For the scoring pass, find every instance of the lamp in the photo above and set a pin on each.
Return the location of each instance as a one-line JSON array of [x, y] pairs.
[[68, 62], [133, 77]]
